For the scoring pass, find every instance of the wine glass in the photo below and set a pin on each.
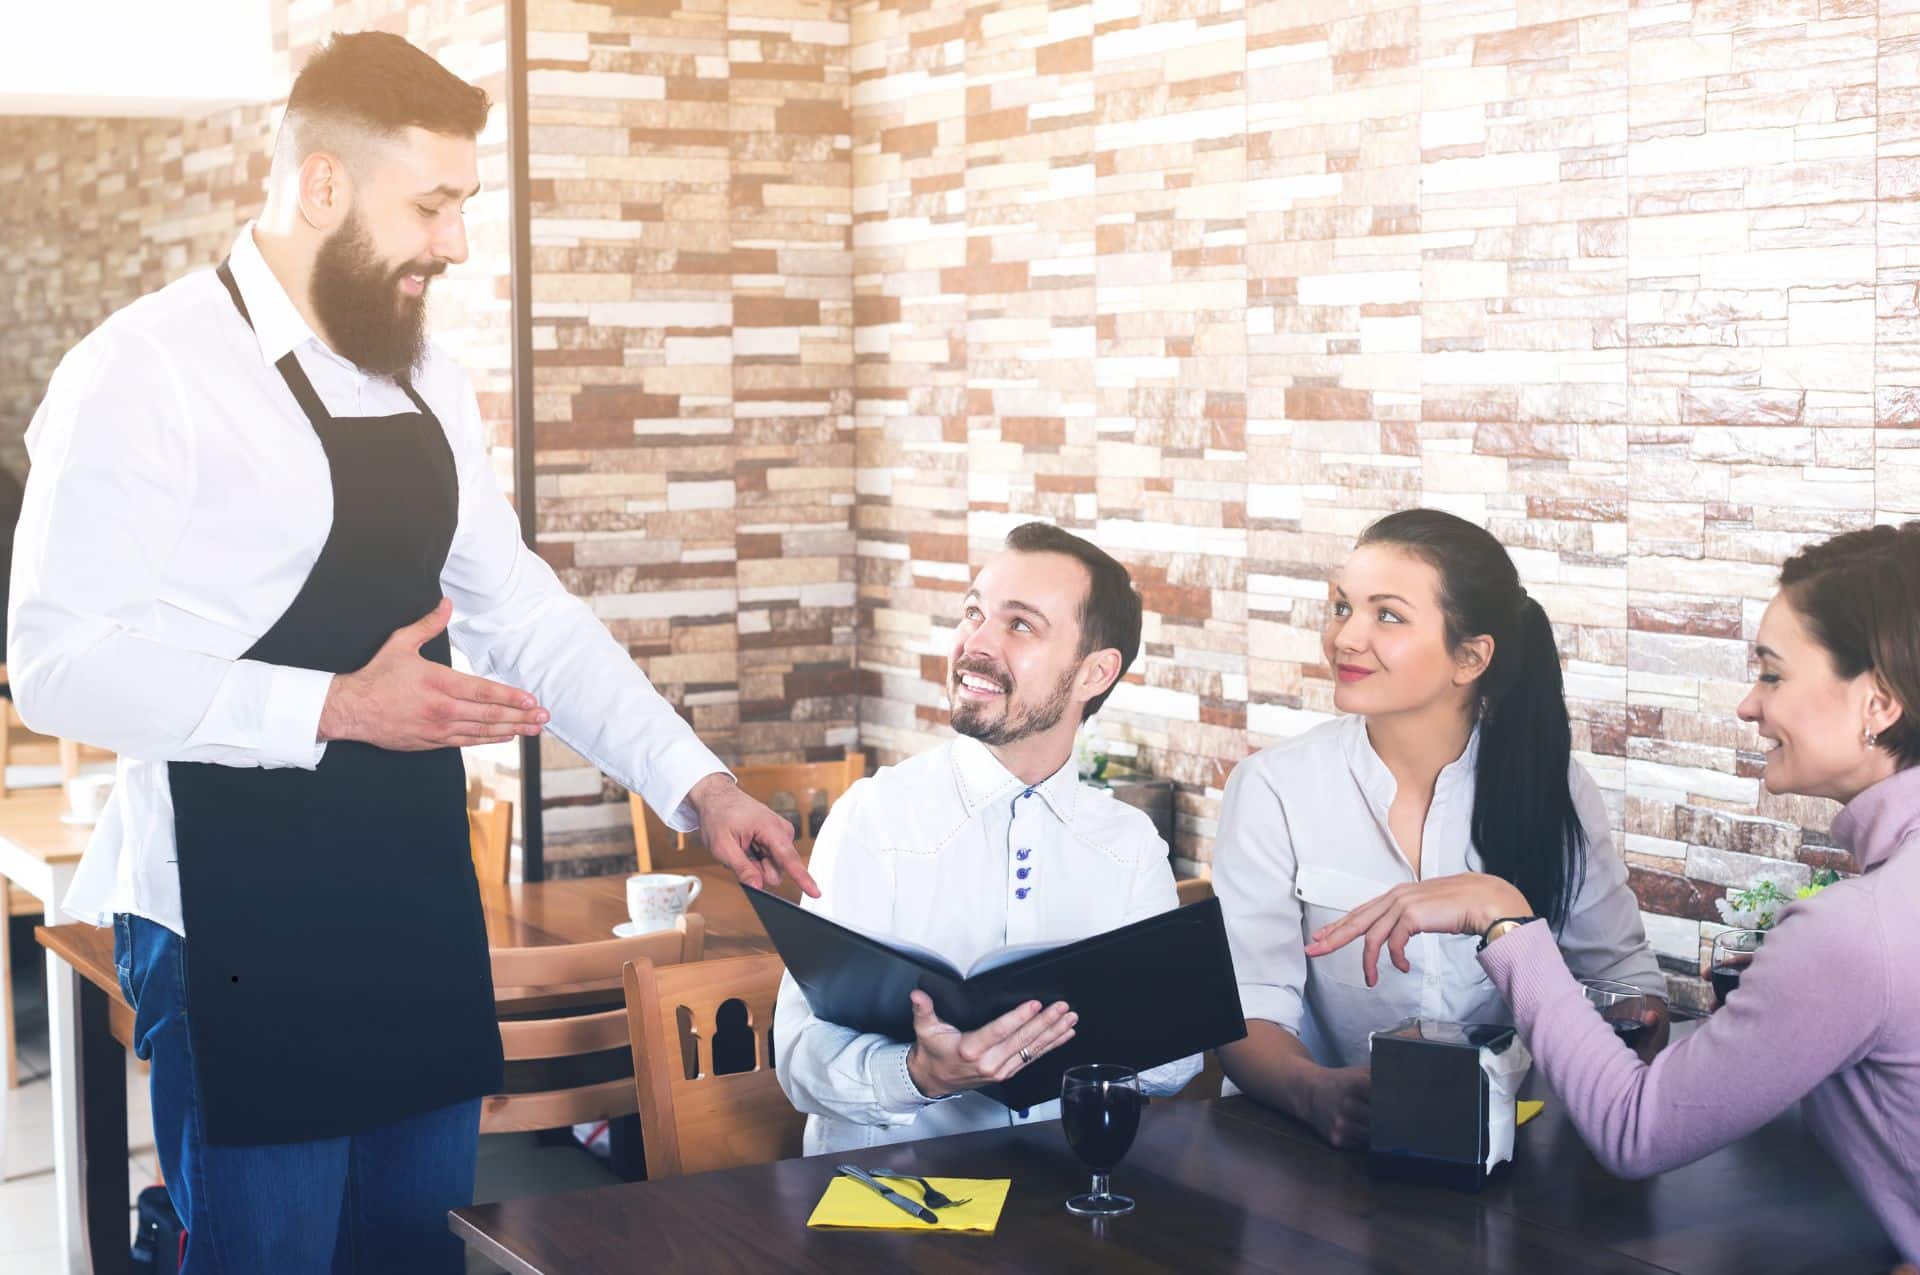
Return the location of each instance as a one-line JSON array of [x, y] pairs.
[[1622, 1005], [1100, 1111], [1733, 951]]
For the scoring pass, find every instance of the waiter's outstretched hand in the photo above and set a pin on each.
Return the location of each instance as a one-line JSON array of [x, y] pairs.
[[403, 701], [746, 836]]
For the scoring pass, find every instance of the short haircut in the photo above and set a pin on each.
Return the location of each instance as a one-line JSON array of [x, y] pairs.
[[375, 84], [1859, 595], [1109, 614]]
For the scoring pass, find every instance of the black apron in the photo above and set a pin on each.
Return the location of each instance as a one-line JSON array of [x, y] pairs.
[[336, 955]]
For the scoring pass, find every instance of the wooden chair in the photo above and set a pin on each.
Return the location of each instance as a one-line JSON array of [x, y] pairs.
[[788, 788], [490, 839], [690, 1119], [1193, 889], [73, 753], [565, 1066]]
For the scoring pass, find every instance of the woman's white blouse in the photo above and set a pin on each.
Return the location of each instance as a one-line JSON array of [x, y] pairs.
[[1304, 838]]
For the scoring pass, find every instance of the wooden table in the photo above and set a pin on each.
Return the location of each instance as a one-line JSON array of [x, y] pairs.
[[89, 1087], [1226, 1185], [587, 909], [38, 854]]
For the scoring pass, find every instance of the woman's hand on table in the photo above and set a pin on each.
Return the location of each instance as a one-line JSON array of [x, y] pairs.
[[748, 838], [1465, 903], [1340, 1105]]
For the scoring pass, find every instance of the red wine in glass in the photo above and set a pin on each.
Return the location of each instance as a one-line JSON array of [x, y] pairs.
[[1630, 1031], [1100, 1113], [1732, 953], [1725, 978]]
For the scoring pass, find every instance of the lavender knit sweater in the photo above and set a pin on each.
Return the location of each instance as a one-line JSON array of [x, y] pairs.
[[1828, 1012]]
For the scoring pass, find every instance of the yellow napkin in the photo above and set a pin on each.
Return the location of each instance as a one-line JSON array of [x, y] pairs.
[[849, 1204], [1524, 1110]]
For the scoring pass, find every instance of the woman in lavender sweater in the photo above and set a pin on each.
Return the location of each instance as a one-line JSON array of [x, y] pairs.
[[1829, 1011]]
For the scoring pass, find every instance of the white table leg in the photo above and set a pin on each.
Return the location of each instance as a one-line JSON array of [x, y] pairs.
[[63, 1005], [7, 1040]]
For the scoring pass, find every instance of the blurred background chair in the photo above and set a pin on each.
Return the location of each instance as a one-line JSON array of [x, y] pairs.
[[803, 792], [563, 1027]]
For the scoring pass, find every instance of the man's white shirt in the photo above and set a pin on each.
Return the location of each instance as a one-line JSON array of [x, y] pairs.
[[177, 501], [953, 852]]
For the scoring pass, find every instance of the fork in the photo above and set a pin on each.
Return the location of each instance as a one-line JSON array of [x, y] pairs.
[[934, 1199]]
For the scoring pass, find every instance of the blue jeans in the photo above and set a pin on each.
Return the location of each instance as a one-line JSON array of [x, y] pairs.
[[373, 1202]]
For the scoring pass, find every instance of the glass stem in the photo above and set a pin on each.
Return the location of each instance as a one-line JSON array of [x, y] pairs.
[[1099, 1186]]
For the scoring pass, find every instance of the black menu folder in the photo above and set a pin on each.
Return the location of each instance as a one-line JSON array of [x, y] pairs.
[[1147, 993]]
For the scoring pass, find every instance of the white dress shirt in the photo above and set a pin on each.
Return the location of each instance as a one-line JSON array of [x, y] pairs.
[[955, 853], [1304, 839], [177, 501]]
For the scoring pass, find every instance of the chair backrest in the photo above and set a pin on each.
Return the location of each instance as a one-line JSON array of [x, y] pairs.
[[692, 1120], [1193, 889], [801, 791], [490, 839], [565, 1063]]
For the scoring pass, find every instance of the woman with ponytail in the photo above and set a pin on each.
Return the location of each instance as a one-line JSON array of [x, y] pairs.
[[1827, 1014], [1454, 758]]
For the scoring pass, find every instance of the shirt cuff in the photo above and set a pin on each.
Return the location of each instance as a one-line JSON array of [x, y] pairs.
[[686, 766], [1272, 1005], [290, 721], [894, 1083]]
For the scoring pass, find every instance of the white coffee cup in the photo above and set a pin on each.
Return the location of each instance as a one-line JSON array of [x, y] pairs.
[[656, 900], [87, 796]]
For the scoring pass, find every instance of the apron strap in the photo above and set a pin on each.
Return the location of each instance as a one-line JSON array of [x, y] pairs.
[[289, 367]]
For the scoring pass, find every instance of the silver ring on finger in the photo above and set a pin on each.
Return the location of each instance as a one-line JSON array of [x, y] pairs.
[[1026, 1055]]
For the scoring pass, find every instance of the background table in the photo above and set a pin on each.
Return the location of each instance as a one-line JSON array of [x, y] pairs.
[[1227, 1185], [38, 853], [90, 1113]]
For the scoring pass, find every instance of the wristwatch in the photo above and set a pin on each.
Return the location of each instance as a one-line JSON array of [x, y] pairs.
[[1501, 928]]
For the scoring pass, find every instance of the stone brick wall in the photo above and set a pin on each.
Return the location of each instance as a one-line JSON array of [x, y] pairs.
[[100, 211], [1219, 284], [693, 333]]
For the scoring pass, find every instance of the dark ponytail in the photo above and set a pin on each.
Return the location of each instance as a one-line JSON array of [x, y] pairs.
[[1524, 822]]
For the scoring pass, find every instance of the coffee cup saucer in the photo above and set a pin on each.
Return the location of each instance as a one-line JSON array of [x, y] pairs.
[[78, 821], [632, 930]]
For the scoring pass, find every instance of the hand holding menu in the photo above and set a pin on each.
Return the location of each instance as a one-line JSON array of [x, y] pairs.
[[1146, 993]]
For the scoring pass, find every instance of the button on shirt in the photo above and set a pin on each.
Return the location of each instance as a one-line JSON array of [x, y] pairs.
[[178, 500], [954, 853], [1304, 838]]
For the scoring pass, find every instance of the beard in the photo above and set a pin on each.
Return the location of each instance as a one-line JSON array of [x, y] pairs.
[[1014, 721], [357, 298]]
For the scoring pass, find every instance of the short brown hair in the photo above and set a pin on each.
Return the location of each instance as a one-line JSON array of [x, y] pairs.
[[1859, 595], [1110, 614], [382, 84]]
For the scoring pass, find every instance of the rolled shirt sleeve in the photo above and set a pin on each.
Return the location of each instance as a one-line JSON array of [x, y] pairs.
[[1604, 936], [1253, 876]]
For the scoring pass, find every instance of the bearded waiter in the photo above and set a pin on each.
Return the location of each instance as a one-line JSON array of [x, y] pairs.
[[257, 499]]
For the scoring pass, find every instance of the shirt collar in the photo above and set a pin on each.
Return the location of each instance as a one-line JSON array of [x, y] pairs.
[[1877, 821], [277, 322], [1378, 782], [983, 779]]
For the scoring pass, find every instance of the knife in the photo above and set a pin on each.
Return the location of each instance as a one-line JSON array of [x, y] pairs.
[[887, 1193]]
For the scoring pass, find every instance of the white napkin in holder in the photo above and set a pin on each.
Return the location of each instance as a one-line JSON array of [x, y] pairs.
[[1443, 1101]]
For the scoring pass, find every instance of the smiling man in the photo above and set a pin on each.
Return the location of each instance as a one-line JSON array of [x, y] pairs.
[[258, 499], [986, 841]]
